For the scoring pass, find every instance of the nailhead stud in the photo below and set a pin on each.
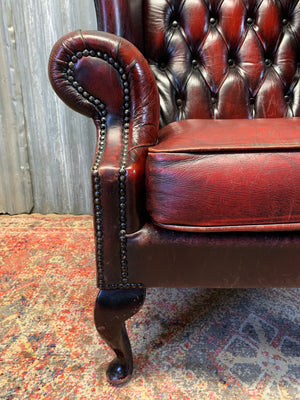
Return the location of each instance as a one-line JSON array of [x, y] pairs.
[[122, 171]]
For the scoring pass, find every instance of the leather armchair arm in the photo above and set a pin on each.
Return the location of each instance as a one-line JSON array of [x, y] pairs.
[[106, 78]]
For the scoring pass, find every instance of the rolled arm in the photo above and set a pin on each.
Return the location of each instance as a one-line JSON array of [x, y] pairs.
[[106, 78], [94, 70]]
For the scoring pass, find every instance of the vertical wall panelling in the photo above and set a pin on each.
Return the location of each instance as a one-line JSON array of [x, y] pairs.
[[15, 182], [60, 142]]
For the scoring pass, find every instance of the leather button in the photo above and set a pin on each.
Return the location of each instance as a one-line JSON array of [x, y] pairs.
[[231, 62], [287, 98], [174, 24], [179, 102], [249, 21], [251, 100], [162, 65], [212, 21], [284, 21], [194, 63], [268, 62]]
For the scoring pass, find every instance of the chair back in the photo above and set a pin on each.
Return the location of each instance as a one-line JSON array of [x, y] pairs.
[[215, 59]]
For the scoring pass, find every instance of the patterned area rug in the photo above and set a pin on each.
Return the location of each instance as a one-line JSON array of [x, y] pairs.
[[188, 343]]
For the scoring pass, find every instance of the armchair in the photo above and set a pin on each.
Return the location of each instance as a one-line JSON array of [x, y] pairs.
[[196, 173]]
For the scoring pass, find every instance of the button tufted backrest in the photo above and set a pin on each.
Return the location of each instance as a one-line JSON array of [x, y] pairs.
[[224, 59], [215, 58]]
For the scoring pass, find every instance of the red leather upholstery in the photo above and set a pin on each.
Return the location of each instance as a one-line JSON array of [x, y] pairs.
[[224, 59], [203, 176], [196, 135], [123, 18], [168, 258], [223, 173], [82, 67], [212, 60]]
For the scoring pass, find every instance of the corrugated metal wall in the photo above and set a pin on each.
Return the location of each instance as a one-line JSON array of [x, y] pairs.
[[46, 149]]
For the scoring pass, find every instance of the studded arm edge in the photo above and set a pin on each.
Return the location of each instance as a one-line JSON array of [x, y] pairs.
[[106, 78]]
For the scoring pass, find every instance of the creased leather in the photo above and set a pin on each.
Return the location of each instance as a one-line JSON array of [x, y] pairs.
[[102, 81], [211, 60], [206, 174], [204, 135], [224, 59]]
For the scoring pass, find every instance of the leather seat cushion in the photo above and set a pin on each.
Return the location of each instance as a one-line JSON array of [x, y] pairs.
[[225, 175]]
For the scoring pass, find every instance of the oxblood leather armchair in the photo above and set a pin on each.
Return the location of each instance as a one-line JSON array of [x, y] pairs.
[[196, 175]]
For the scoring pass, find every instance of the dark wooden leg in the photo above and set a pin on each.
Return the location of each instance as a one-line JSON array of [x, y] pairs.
[[112, 309]]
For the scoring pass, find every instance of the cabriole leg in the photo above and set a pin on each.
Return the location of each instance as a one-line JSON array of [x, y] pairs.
[[113, 307]]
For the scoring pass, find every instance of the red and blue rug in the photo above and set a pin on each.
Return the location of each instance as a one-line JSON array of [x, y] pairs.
[[188, 343]]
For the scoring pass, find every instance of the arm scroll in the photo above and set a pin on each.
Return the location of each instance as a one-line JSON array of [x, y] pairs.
[[107, 79]]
